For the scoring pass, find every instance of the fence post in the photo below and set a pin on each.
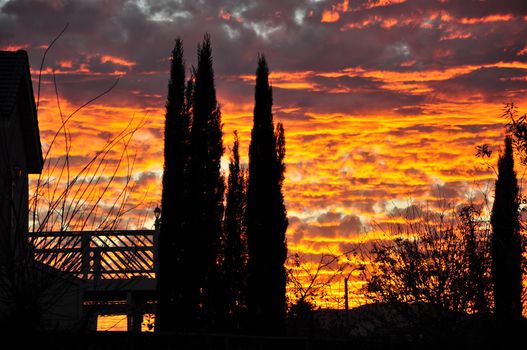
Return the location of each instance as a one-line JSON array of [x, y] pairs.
[[97, 264], [157, 228], [85, 254]]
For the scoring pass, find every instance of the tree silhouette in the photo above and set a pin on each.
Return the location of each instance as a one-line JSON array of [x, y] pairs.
[[234, 247], [476, 258], [266, 214], [438, 262], [506, 241], [206, 191], [173, 240]]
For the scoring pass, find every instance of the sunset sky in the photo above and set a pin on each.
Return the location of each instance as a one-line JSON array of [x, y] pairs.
[[383, 102]]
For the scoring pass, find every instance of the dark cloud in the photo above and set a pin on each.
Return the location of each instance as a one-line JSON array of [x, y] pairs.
[[411, 212], [350, 225], [328, 226], [147, 178], [409, 110], [289, 32], [329, 217], [449, 191], [492, 84]]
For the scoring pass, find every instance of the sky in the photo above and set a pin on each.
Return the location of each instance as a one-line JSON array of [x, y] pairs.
[[383, 102]]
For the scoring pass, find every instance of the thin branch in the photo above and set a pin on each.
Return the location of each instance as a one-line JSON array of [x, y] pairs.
[[43, 60]]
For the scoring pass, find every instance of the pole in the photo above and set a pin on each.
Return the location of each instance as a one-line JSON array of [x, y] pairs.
[[346, 302], [157, 229]]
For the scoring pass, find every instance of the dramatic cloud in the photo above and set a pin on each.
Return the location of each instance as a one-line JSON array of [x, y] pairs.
[[383, 102]]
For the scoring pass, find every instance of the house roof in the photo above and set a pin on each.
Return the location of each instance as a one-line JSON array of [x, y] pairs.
[[11, 71], [16, 89]]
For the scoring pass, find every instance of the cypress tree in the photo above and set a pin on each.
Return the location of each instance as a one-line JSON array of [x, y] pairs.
[[506, 241], [206, 186], [176, 154], [266, 215], [234, 250]]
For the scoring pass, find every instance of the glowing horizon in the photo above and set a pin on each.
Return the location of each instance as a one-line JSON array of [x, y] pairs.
[[383, 102]]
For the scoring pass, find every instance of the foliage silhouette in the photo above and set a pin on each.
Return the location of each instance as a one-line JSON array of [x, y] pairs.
[[234, 243], [436, 260], [205, 200], [173, 237], [506, 241], [266, 215]]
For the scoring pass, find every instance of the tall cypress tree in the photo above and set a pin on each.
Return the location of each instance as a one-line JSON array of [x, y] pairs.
[[206, 190], [266, 215], [234, 249], [506, 241], [172, 236]]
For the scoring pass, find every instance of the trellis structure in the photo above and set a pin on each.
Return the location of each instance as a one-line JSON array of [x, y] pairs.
[[95, 255], [116, 269]]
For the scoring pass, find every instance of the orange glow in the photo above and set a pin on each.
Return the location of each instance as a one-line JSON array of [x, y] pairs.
[[349, 164], [346, 169], [343, 7], [65, 64], [117, 60], [287, 80], [389, 23], [227, 16], [330, 16], [224, 15], [408, 63], [379, 3], [148, 323], [82, 70], [456, 35], [412, 81], [488, 19], [13, 47], [333, 15], [112, 323], [365, 23]]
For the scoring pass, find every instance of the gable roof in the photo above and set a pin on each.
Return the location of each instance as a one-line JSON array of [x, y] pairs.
[[11, 71], [16, 88]]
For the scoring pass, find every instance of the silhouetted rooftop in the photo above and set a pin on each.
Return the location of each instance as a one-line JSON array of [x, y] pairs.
[[16, 90], [12, 66]]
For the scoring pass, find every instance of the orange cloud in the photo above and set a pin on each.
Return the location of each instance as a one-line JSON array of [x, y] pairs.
[[228, 16], [225, 15], [339, 164], [333, 15], [288, 80], [453, 35], [81, 70], [389, 23], [415, 82], [487, 19], [380, 3], [330, 16], [117, 60], [13, 47], [65, 64]]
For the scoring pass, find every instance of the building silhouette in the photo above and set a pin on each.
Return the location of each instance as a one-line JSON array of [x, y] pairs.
[[20, 149]]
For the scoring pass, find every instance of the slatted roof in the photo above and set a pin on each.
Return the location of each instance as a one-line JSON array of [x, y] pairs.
[[16, 90], [12, 64]]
